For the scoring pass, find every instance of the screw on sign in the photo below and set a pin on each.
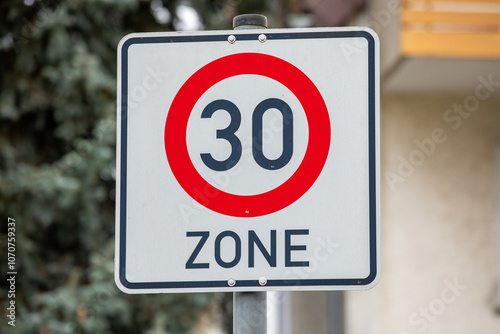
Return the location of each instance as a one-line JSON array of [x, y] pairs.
[[317, 149]]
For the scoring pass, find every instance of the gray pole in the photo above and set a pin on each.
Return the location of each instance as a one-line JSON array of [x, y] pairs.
[[335, 309], [250, 312], [250, 308]]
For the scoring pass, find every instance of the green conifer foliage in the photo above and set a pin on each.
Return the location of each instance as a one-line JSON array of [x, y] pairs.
[[57, 164]]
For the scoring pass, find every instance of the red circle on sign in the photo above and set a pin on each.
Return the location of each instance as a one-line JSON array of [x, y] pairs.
[[293, 188]]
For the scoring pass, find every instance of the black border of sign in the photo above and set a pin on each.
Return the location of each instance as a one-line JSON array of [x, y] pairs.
[[242, 36]]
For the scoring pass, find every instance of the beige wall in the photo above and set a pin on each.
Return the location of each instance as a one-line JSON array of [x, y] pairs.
[[439, 247], [308, 312]]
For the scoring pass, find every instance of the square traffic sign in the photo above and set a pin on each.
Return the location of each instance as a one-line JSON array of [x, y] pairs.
[[248, 160]]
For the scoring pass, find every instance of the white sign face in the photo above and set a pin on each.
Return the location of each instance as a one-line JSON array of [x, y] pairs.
[[248, 160]]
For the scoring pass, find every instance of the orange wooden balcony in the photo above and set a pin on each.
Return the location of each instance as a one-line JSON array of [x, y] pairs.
[[451, 28]]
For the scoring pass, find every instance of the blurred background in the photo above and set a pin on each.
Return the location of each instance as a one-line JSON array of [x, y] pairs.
[[440, 173]]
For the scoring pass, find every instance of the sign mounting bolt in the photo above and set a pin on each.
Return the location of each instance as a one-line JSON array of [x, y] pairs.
[[262, 281], [231, 282], [262, 38], [231, 39]]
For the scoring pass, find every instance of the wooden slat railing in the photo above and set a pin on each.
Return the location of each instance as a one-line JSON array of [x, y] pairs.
[[451, 28]]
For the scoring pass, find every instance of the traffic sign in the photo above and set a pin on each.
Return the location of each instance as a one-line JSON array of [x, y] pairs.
[[248, 160]]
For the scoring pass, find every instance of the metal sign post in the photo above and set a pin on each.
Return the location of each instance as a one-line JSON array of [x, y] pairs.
[[249, 308], [249, 312]]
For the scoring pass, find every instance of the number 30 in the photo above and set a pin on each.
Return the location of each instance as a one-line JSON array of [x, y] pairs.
[[257, 119]]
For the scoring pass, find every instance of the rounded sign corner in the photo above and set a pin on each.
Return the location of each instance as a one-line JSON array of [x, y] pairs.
[[369, 34], [372, 280], [122, 283], [126, 41]]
